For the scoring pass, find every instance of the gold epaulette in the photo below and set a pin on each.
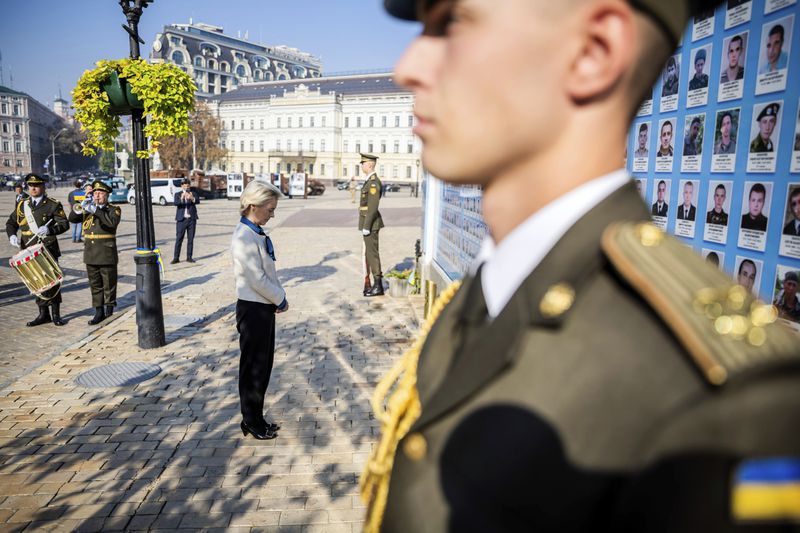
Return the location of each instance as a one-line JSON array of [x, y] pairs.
[[725, 330]]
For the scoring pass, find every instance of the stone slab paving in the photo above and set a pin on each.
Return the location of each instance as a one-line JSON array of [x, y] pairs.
[[167, 453]]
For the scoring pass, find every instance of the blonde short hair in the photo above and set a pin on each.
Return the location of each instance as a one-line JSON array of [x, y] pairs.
[[257, 193]]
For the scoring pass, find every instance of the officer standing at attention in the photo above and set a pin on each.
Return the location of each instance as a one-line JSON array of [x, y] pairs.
[[370, 223], [39, 218], [99, 221], [589, 374]]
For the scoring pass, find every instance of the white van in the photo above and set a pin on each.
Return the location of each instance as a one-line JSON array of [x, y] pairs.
[[162, 191]]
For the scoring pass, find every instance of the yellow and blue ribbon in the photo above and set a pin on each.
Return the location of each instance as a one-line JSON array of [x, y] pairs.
[[767, 489], [157, 251]]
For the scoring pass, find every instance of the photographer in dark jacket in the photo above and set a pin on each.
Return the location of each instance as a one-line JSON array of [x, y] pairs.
[[186, 221]]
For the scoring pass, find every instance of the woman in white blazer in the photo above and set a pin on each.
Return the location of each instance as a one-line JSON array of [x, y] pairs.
[[259, 296]]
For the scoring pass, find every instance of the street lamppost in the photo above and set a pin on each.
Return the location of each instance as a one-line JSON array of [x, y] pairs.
[[149, 311], [53, 146], [416, 187]]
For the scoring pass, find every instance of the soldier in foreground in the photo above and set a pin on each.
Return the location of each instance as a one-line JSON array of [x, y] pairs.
[[39, 218], [590, 375], [100, 221]]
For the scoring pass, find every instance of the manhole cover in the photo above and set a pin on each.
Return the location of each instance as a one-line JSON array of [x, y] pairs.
[[179, 321], [118, 375]]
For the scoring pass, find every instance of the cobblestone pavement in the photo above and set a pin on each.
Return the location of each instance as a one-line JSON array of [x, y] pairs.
[[167, 453]]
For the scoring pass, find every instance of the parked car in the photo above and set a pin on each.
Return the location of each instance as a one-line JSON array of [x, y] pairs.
[[162, 192], [342, 184]]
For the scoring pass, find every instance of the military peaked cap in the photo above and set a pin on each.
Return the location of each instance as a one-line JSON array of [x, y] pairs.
[[100, 186], [34, 179], [368, 157], [671, 17]]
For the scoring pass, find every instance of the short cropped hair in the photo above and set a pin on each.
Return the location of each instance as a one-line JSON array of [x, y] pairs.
[[257, 193], [758, 188], [776, 30]]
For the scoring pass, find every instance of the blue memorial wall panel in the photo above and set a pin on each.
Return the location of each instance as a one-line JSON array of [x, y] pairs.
[[720, 142]]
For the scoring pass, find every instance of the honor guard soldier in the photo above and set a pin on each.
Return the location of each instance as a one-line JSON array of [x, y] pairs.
[[100, 221], [370, 224], [38, 217], [590, 374]]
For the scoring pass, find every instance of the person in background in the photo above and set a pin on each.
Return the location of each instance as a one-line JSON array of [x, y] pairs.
[[19, 193], [186, 221], [370, 223], [100, 221], [259, 296]]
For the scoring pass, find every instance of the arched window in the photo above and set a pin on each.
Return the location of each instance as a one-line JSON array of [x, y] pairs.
[[177, 57], [212, 63], [198, 61], [241, 71]]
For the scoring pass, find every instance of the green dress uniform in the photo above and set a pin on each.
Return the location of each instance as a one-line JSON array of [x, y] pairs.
[[721, 218], [44, 211], [759, 145], [100, 255], [626, 386], [370, 218]]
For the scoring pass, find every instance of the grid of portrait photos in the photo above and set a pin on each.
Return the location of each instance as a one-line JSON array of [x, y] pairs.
[[461, 229], [715, 152]]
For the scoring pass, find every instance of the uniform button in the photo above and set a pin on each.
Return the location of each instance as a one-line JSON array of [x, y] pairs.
[[557, 300], [415, 447]]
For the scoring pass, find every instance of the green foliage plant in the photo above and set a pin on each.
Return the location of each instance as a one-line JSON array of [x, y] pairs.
[[166, 92], [399, 274]]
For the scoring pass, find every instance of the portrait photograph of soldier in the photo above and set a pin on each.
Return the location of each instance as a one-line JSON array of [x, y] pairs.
[[718, 206], [714, 257], [693, 134], [726, 132], [666, 151], [660, 208], [641, 152], [686, 213], [785, 297], [697, 94], [790, 234], [670, 84], [756, 203], [641, 186], [747, 273], [731, 81], [764, 135], [773, 55], [738, 12], [703, 25], [794, 165]]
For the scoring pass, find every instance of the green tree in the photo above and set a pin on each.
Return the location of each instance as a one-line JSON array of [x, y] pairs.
[[176, 152], [107, 161]]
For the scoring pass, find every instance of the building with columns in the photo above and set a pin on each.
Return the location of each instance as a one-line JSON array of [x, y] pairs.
[[320, 126], [219, 63], [25, 130]]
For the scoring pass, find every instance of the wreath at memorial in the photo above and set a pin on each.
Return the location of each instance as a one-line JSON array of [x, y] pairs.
[[162, 91]]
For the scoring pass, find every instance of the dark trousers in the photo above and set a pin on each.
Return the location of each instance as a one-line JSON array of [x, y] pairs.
[[373, 253], [103, 284], [185, 227], [255, 323]]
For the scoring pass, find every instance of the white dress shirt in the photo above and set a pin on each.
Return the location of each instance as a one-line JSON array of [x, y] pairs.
[[506, 265]]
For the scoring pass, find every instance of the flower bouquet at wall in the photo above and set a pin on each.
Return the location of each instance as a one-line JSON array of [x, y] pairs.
[[162, 91]]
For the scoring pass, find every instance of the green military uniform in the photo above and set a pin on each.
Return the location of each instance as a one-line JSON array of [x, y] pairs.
[[100, 251], [758, 144], [605, 389], [44, 211], [721, 218], [369, 218]]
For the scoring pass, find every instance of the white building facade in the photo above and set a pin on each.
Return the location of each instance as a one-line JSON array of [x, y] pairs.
[[26, 127], [320, 126]]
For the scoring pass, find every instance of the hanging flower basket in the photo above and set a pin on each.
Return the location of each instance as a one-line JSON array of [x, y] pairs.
[[161, 91]]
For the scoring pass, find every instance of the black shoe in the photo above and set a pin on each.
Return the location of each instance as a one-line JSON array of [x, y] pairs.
[[267, 434], [56, 308], [79, 240], [43, 318], [367, 285], [98, 317], [377, 288], [176, 260], [272, 427], [109, 310], [190, 260]]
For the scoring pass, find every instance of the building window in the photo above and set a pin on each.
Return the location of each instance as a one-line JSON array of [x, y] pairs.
[[371, 122], [6, 146], [322, 169], [369, 148], [261, 124], [6, 162], [300, 145], [288, 168], [322, 145], [346, 122], [252, 167], [260, 146], [279, 122], [397, 147], [383, 148], [252, 124], [311, 120], [311, 145], [241, 124], [323, 122], [4, 108], [17, 129], [300, 122], [383, 121], [17, 146], [261, 168], [177, 57], [233, 124], [233, 146], [410, 121], [311, 168], [289, 122], [175, 40], [19, 162], [382, 170], [289, 145], [240, 71], [394, 171], [358, 147], [15, 112], [241, 146], [410, 148], [241, 167], [358, 122], [252, 146], [346, 147], [5, 127], [198, 61], [278, 145], [408, 172], [397, 121]]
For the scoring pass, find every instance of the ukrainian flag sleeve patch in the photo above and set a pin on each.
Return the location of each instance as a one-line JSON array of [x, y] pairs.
[[767, 490]]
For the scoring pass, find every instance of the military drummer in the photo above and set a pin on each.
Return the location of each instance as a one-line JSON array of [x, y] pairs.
[[100, 221], [39, 218], [370, 224], [591, 373]]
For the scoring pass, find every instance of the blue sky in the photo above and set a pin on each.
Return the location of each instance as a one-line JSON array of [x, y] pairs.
[[45, 43]]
